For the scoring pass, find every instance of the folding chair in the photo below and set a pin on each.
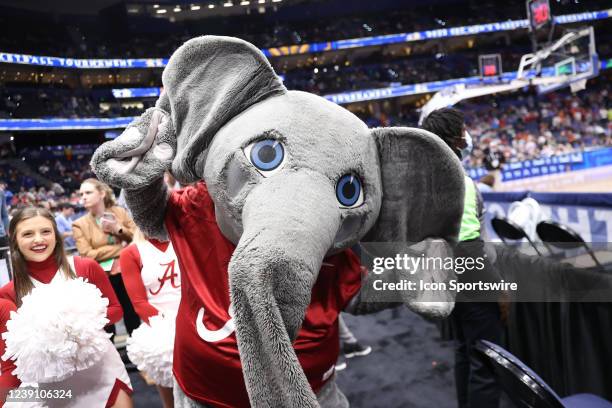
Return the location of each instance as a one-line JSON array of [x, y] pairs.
[[563, 237], [506, 229], [524, 387]]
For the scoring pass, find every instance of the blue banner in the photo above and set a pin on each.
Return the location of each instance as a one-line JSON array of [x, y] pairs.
[[63, 124], [510, 25], [592, 222], [552, 165], [61, 62], [136, 93]]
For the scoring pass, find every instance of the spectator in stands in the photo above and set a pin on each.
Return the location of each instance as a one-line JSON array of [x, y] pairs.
[[64, 225], [102, 234]]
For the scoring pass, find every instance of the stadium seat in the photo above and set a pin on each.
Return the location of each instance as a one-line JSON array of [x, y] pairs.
[[563, 237], [507, 230], [524, 387]]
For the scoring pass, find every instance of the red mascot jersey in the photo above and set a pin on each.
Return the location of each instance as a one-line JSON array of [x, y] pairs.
[[206, 360]]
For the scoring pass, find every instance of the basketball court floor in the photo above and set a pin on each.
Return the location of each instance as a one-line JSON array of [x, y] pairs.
[[596, 180]]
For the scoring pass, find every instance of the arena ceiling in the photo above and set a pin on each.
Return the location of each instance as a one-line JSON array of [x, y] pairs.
[[93, 7]]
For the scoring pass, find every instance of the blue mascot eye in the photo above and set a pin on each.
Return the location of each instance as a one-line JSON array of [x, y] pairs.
[[266, 155], [349, 191]]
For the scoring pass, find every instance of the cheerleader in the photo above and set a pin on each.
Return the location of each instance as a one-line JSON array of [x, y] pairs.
[[152, 279], [89, 366]]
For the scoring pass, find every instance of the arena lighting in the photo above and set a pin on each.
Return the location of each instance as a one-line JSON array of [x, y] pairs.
[[228, 4], [261, 1], [211, 6], [276, 1], [156, 6], [177, 9], [195, 7], [245, 3], [161, 11]]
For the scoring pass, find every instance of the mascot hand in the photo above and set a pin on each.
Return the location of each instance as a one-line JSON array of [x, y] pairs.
[[140, 155]]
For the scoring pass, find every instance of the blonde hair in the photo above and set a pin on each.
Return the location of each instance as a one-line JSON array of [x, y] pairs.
[[109, 195]]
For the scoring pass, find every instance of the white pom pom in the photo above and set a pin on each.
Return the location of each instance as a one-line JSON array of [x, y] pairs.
[[57, 331], [151, 347]]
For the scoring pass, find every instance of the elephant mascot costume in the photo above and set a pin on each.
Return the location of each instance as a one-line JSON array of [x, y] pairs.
[[280, 185]]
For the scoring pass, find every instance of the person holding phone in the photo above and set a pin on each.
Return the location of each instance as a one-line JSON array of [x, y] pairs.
[[101, 234]]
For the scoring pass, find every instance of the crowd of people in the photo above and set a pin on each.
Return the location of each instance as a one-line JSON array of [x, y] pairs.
[[379, 71], [49, 174], [523, 127], [67, 173], [40, 102], [40, 35], [504, 129]]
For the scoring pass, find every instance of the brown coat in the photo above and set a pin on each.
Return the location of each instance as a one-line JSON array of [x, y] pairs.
[[93, 242]]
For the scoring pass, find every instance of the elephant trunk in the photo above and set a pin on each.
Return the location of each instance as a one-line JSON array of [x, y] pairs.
[[272, 272]]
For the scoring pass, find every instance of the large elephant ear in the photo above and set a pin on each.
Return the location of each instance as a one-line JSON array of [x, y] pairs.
[[208, 81], [421, 209], [422, 187]]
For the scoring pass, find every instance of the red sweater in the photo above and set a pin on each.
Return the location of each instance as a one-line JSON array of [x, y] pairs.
[[131, 265], [206, 361], [44, 272]]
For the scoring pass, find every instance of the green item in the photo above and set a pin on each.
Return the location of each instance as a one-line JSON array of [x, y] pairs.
[[110, 239], [470, 223], [107, 265]]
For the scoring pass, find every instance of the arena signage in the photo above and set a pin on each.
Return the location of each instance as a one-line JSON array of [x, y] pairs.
[[366, 95], [429, 34], [594, 224], [476, 29], [551, 165], [59, 62], [8, 125], [125, 93]]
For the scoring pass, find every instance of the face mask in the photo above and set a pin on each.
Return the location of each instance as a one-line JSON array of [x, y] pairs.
[[465, 152]]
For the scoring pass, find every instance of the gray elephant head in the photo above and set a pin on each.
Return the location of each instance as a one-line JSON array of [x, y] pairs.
[[294, 178]]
